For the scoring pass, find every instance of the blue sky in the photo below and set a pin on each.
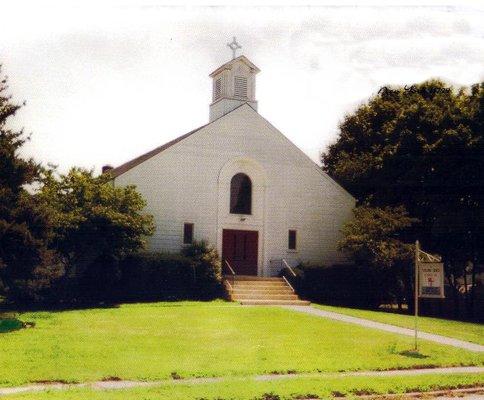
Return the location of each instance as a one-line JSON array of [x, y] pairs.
[[105, 84]]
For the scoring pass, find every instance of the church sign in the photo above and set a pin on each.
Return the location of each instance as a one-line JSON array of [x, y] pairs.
[[431, 279]]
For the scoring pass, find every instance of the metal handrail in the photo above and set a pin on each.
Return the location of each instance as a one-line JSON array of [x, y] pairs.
[[289, 267], [230, 268], [288, 284]]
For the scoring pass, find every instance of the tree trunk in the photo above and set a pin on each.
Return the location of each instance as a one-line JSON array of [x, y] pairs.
[[473, 290]]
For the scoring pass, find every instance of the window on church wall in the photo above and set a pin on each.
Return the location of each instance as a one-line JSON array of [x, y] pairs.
[[240, 86], [291, 242], [217, 91], [240, 194], [187, 233]]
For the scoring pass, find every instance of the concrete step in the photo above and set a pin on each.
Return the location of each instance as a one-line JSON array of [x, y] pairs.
[[253, 278], [254, 290], [264, 296], [256, 284], [260, 288], [274, 302], [282, 290]]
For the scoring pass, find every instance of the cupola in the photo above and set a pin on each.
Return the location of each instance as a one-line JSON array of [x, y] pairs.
[[233, 84]]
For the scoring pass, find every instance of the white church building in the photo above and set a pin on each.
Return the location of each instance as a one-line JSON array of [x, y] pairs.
[[241, 185]]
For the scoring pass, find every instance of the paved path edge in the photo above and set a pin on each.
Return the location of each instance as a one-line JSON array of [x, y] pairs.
[[127, 384], [387, 328]]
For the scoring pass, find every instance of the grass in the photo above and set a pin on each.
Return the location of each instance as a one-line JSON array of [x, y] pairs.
[[456, 329], [248, 389], [154, 341]]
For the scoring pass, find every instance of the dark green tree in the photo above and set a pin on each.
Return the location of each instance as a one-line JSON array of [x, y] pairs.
[[95, 224], [373, 238], [421, 147], [27, 267]]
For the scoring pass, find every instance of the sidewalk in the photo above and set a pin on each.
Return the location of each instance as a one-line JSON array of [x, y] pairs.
[[122, 384], [388, 328]]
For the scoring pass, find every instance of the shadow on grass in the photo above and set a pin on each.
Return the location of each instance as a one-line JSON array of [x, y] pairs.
[[22, 308], [89, 305], [10, 324], [413, 354]]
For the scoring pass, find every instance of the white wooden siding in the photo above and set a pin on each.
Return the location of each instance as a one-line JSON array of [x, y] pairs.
[[188, 183]]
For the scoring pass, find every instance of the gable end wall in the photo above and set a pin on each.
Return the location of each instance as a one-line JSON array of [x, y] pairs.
[[185, 183]]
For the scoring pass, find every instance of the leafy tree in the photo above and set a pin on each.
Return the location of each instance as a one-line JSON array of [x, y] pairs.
[[422, 147], [373, 238], [95, 224], [27, 267]]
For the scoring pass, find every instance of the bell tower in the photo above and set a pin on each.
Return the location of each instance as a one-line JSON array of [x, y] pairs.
[[233, 84]]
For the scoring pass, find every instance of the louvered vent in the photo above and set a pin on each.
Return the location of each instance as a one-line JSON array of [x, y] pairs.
[[217, 92], [240, 86]]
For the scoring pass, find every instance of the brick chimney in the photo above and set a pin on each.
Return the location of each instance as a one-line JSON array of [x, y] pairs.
[[106, 168]]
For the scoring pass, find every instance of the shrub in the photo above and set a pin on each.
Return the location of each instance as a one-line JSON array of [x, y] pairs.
[[347, 285], [208, 268], [194, 274], [155, 276]]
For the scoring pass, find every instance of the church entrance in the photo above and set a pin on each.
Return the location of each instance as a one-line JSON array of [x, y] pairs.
[[240, 249]]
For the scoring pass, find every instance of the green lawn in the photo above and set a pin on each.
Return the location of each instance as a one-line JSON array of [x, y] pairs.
[[152, 341], [455, 329], [248, 389]]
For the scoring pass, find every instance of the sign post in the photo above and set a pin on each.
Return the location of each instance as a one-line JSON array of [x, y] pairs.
[[429, 280], [417, 251]]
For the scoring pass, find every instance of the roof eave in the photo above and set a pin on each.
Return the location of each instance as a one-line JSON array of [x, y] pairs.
[[228, 65]]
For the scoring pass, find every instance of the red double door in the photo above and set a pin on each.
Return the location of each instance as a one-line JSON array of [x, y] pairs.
[[239, 248]]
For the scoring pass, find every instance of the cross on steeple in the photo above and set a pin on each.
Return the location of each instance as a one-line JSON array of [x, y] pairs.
[[234, 46]]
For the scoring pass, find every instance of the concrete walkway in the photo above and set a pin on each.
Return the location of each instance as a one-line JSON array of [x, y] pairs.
[[388, 328], [125, 384]]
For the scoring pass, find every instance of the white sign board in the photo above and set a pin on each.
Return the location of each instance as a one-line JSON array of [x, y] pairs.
[[431, 280]]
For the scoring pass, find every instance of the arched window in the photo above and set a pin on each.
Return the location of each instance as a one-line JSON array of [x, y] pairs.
[[240, 194]]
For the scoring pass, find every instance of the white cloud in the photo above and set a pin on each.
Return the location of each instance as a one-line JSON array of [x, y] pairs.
[[105, 84]]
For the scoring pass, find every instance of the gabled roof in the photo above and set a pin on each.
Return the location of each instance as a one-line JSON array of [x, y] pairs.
[[228, 65], [138, 160], [115, 172]]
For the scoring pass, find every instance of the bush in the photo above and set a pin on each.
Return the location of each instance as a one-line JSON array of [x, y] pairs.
[[195, 274], [208, 268], [345, 285], [155, 276]]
